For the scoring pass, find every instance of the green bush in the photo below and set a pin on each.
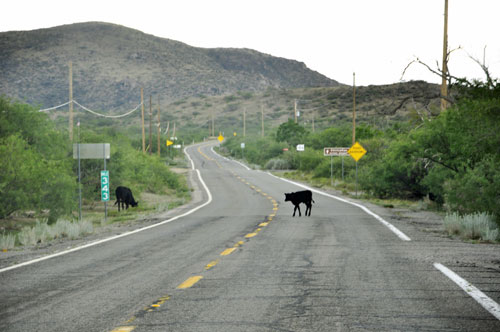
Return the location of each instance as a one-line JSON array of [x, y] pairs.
[[476, 189]]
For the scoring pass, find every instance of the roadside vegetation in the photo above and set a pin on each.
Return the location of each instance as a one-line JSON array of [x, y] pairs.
[[38, 177], [450, 160]]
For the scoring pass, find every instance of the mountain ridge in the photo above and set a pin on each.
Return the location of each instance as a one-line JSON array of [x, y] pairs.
[[112, 62]]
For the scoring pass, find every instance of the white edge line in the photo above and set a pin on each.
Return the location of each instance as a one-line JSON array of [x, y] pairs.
[[120, 235], [393, 228], [487, 303]]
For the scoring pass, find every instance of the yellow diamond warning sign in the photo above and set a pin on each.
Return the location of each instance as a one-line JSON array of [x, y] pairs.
[[169, 142], [356, 151], [220, 138]]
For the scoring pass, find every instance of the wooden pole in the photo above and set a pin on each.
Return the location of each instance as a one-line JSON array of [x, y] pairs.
[[150, 124], [159, 129], [244, 122], [295, 110], [213, 123], [262, 118], [444, 86], [70, 64], [353, 108], [142, 117]]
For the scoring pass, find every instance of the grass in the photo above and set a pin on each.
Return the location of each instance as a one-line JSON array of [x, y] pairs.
[[477, 226], [34, 229]]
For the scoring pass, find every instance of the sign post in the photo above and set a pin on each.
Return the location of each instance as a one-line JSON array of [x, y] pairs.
[[335, 152], [356, 152], [90, 151]]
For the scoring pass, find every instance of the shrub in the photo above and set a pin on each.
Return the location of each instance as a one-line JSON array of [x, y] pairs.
[[7, 241], [472, 226], [27, 236], [277, 164]]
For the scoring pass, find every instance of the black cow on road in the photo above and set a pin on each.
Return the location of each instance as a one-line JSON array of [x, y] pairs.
[[124, 197], [300, 197]]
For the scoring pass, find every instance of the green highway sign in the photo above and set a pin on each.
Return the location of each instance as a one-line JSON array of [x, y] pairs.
[[105, 186]]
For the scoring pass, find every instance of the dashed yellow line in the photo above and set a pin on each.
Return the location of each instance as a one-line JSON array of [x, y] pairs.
[[228, 251], [204, 155], [211, 264], [189, 282], [124, 329]]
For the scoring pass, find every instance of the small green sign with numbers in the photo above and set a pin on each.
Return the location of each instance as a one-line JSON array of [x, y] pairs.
[[105, 186]]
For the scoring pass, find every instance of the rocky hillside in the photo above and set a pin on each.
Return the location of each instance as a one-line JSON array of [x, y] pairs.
[[111, 63]]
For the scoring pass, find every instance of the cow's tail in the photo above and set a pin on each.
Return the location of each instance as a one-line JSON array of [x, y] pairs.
[[313, 200], [115, 203]]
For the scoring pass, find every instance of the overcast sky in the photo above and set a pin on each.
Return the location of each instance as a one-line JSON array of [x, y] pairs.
[[375, 39]]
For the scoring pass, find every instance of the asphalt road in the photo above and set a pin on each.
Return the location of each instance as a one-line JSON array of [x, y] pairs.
[[243, 263]]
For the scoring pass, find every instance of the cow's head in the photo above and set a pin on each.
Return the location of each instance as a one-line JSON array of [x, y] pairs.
[[288, 197], [134, 204]]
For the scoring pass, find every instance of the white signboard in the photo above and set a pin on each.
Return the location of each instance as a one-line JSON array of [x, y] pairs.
[[91, 151], [242, 145], [327, 152], [300, 147]]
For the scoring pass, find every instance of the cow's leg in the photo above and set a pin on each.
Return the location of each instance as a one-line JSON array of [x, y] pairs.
[[126, 204], [298, 208], [309, 207], [119, 203]]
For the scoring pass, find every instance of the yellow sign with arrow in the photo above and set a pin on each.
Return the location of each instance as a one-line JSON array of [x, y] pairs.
[[169, 142]]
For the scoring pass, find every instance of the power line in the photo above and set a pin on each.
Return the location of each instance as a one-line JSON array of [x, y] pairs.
[[91, 111]]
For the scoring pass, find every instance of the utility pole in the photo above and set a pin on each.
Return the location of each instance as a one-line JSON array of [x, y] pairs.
[[159, 129], [142, 115], [444, 72], [70, 64], [262, 118], [353, 108], [244, 122], [295, 109], [313, 121], [213, 124], [150, 125]]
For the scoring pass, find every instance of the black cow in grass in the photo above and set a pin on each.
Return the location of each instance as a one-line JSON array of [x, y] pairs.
[[124, 197], [300, 197]]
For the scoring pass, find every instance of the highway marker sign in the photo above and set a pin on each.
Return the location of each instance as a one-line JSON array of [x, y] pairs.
[[105, 186]]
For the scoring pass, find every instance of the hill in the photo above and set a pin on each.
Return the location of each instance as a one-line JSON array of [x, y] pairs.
[[111, 63]]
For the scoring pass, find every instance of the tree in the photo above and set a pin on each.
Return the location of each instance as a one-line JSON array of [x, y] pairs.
[[291, 133]]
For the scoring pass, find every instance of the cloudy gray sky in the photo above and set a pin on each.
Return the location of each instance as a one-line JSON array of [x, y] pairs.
[[375, 39]]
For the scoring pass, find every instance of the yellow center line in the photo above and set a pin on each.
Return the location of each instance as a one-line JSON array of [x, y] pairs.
[[204, 155], [227, 251], [189, 282], [249, 235], [211, 264], [124, 329], [240, 243], [263, 224]]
